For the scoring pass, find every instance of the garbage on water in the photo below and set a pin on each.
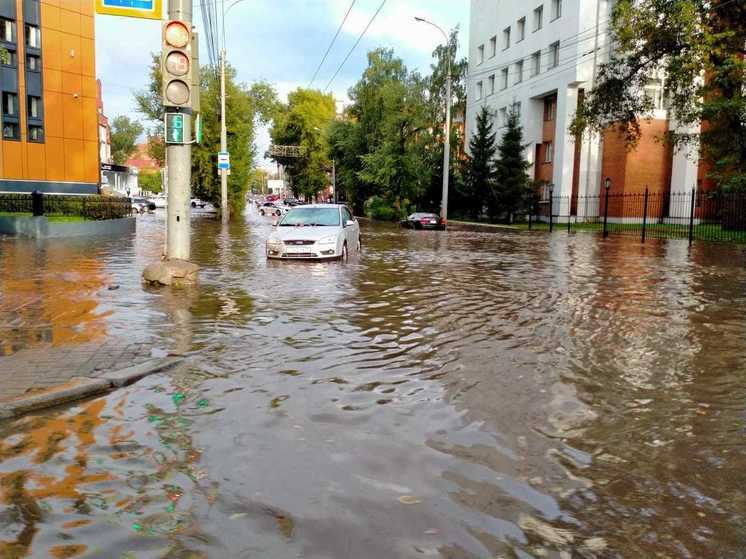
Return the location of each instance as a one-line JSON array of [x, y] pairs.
[[203, 403], [409, 500], [178, 398]]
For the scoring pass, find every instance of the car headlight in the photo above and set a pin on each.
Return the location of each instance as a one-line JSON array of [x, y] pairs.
[[274, 242], [331, 240]]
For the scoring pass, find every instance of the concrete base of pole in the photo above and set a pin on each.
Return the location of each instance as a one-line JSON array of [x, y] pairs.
[[177, 273]]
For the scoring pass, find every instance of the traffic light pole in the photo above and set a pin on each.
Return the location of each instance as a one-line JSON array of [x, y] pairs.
[[223, 143], [179, 168]]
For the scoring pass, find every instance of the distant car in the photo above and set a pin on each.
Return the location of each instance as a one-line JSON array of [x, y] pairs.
[[422, 220], [271, 198], [142, 205], [315, 232], [292, 202], [268, 208]]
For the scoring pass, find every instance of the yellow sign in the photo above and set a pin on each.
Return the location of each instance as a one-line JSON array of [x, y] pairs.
[[148, 9]]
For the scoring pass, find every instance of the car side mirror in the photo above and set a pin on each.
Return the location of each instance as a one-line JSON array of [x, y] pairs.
[[349, 223]]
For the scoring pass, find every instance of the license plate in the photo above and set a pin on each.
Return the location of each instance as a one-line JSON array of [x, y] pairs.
[[296, 250], [433, 221]]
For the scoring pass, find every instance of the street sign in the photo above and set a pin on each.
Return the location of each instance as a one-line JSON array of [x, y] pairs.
[[147, 9], [198, 129], [174, 128], [224, 161]]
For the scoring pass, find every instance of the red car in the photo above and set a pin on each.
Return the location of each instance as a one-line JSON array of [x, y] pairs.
[[422, 220]]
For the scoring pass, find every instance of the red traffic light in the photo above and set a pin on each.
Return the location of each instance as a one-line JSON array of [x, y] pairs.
[[177, 34]]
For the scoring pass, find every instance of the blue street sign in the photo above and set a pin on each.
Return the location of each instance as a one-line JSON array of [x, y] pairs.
[[224, 160], [149, 9]]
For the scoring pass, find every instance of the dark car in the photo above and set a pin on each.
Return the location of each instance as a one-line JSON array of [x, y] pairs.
[[422, 220]]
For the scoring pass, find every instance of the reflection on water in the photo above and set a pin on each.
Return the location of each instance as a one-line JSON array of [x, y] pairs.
[[456, 395]]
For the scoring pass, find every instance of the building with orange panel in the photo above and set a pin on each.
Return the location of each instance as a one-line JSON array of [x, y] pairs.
[[48, 82]]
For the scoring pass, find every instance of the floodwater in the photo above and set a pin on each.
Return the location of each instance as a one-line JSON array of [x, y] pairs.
[[448, 395]]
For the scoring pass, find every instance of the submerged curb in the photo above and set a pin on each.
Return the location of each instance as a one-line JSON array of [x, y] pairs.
[[79, 388]]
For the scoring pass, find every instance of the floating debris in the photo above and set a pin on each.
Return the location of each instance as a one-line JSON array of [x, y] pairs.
[[203, 403], [178, 398], [409, 500]]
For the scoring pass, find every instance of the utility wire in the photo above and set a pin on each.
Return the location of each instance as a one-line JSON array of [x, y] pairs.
[[356, 44], [344, 19]]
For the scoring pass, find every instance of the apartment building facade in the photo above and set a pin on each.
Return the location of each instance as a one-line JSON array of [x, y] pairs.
[[49, 138], [539, 58]]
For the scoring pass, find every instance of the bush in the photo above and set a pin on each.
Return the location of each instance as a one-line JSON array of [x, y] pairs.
[[379, 209], [89, 207]]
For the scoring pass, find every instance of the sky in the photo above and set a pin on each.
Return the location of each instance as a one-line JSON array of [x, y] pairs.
[[282, 42]]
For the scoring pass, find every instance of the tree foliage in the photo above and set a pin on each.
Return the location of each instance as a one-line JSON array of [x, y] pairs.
[[124, 133], [477, 188], [303, 122], [513, 186], [150, 181], [698, 46]]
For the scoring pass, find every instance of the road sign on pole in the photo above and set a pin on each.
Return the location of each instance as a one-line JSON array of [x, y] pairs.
[[174, 128], [147, 9], [224, 160]]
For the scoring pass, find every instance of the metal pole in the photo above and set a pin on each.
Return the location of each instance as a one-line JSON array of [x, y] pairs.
[[569, 203], [223, 138], [179, 159], [551, 208], [606, 213], [691, 218], [334, 180], [645, 215], [447, 143]]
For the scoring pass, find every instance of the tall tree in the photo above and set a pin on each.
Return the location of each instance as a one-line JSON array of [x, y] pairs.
[[150, 104], [699, 47], [302, 122], [124, 133], [513, 185], [479, 174]]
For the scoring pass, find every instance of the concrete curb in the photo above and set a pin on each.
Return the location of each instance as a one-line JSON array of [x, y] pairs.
[[79, 388]]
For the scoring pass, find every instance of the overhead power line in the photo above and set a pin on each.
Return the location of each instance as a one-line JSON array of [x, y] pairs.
[[331, 44], [375, 15]]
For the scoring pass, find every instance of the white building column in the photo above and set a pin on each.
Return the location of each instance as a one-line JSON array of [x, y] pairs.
[[564, 148], [589, 180], [684, 171]]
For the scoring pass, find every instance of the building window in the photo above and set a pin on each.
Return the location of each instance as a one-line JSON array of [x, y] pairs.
[[517, 109], [504, 116], [491, 86], [554, 54], [520, 30], [536, 63], [550, 108], [35, 133], [519, 71], [538, 18], [7, 57], [33, 63], [479, 90], [556, 9], [506, 38], [548, 152], [493, 46], [655, 94], [33, 36], [10, 131], [34, 107], [480, 54], [504, 78], [7, 30], [10, 104]]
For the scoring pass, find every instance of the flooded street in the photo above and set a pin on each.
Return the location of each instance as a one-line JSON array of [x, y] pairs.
[[452, 395]]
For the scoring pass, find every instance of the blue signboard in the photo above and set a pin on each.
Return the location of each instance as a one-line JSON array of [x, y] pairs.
[[149, 9]]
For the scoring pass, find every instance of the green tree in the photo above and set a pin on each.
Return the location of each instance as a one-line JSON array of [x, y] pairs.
[[478, 188], [150, 104], [513, 186], [303, 122], [124, 133], [150, 181], [697, 46]]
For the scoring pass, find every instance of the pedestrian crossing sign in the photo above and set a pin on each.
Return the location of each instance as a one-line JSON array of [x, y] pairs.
[[148, 9]]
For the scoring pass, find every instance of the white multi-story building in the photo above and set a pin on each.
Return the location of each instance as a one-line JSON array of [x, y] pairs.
[[539, 57]]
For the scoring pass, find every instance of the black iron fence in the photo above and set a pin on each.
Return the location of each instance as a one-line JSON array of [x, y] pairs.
[[59, 205], [710, 216]]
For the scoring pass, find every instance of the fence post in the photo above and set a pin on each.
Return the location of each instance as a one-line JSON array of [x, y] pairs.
[[691, 218], [551, 210], [530, 211], [645, 214], [37, 203], [569, 211], [606, 213]]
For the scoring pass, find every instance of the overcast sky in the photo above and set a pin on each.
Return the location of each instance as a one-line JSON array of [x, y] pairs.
[[282, 42]]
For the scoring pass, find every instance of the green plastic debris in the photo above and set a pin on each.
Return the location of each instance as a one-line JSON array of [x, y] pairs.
[[177, 398], [170, 507], [203, 403], [137, 527]]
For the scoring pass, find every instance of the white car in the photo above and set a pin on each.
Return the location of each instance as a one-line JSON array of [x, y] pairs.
[[317, 231]]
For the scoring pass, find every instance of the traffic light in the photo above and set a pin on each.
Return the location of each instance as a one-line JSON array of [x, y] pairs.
[[176, 64]]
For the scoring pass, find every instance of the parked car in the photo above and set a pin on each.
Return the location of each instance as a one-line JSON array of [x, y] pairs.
[[423, 220], [316, 232]]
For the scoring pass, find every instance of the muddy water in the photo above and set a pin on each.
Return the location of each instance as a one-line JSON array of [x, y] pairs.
[[456, 395]]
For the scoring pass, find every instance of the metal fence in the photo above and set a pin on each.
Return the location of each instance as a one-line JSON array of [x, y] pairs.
[[709, 216], [56, 205]]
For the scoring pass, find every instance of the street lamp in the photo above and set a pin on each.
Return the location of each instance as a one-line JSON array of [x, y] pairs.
[[607, 183], [447, 141]]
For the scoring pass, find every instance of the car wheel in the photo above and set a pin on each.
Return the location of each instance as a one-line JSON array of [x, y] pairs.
[[261, 212], [359, 245], [278, 213], [345, 253]]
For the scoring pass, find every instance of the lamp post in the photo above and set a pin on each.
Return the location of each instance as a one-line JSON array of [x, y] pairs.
[[224, 212], [607, 187], [447, 141]]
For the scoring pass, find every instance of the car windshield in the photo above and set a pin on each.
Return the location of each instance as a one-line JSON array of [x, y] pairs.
[[422, 216], [311, 216]]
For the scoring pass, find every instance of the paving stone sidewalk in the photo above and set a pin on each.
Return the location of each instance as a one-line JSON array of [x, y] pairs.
[[34, 369]]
